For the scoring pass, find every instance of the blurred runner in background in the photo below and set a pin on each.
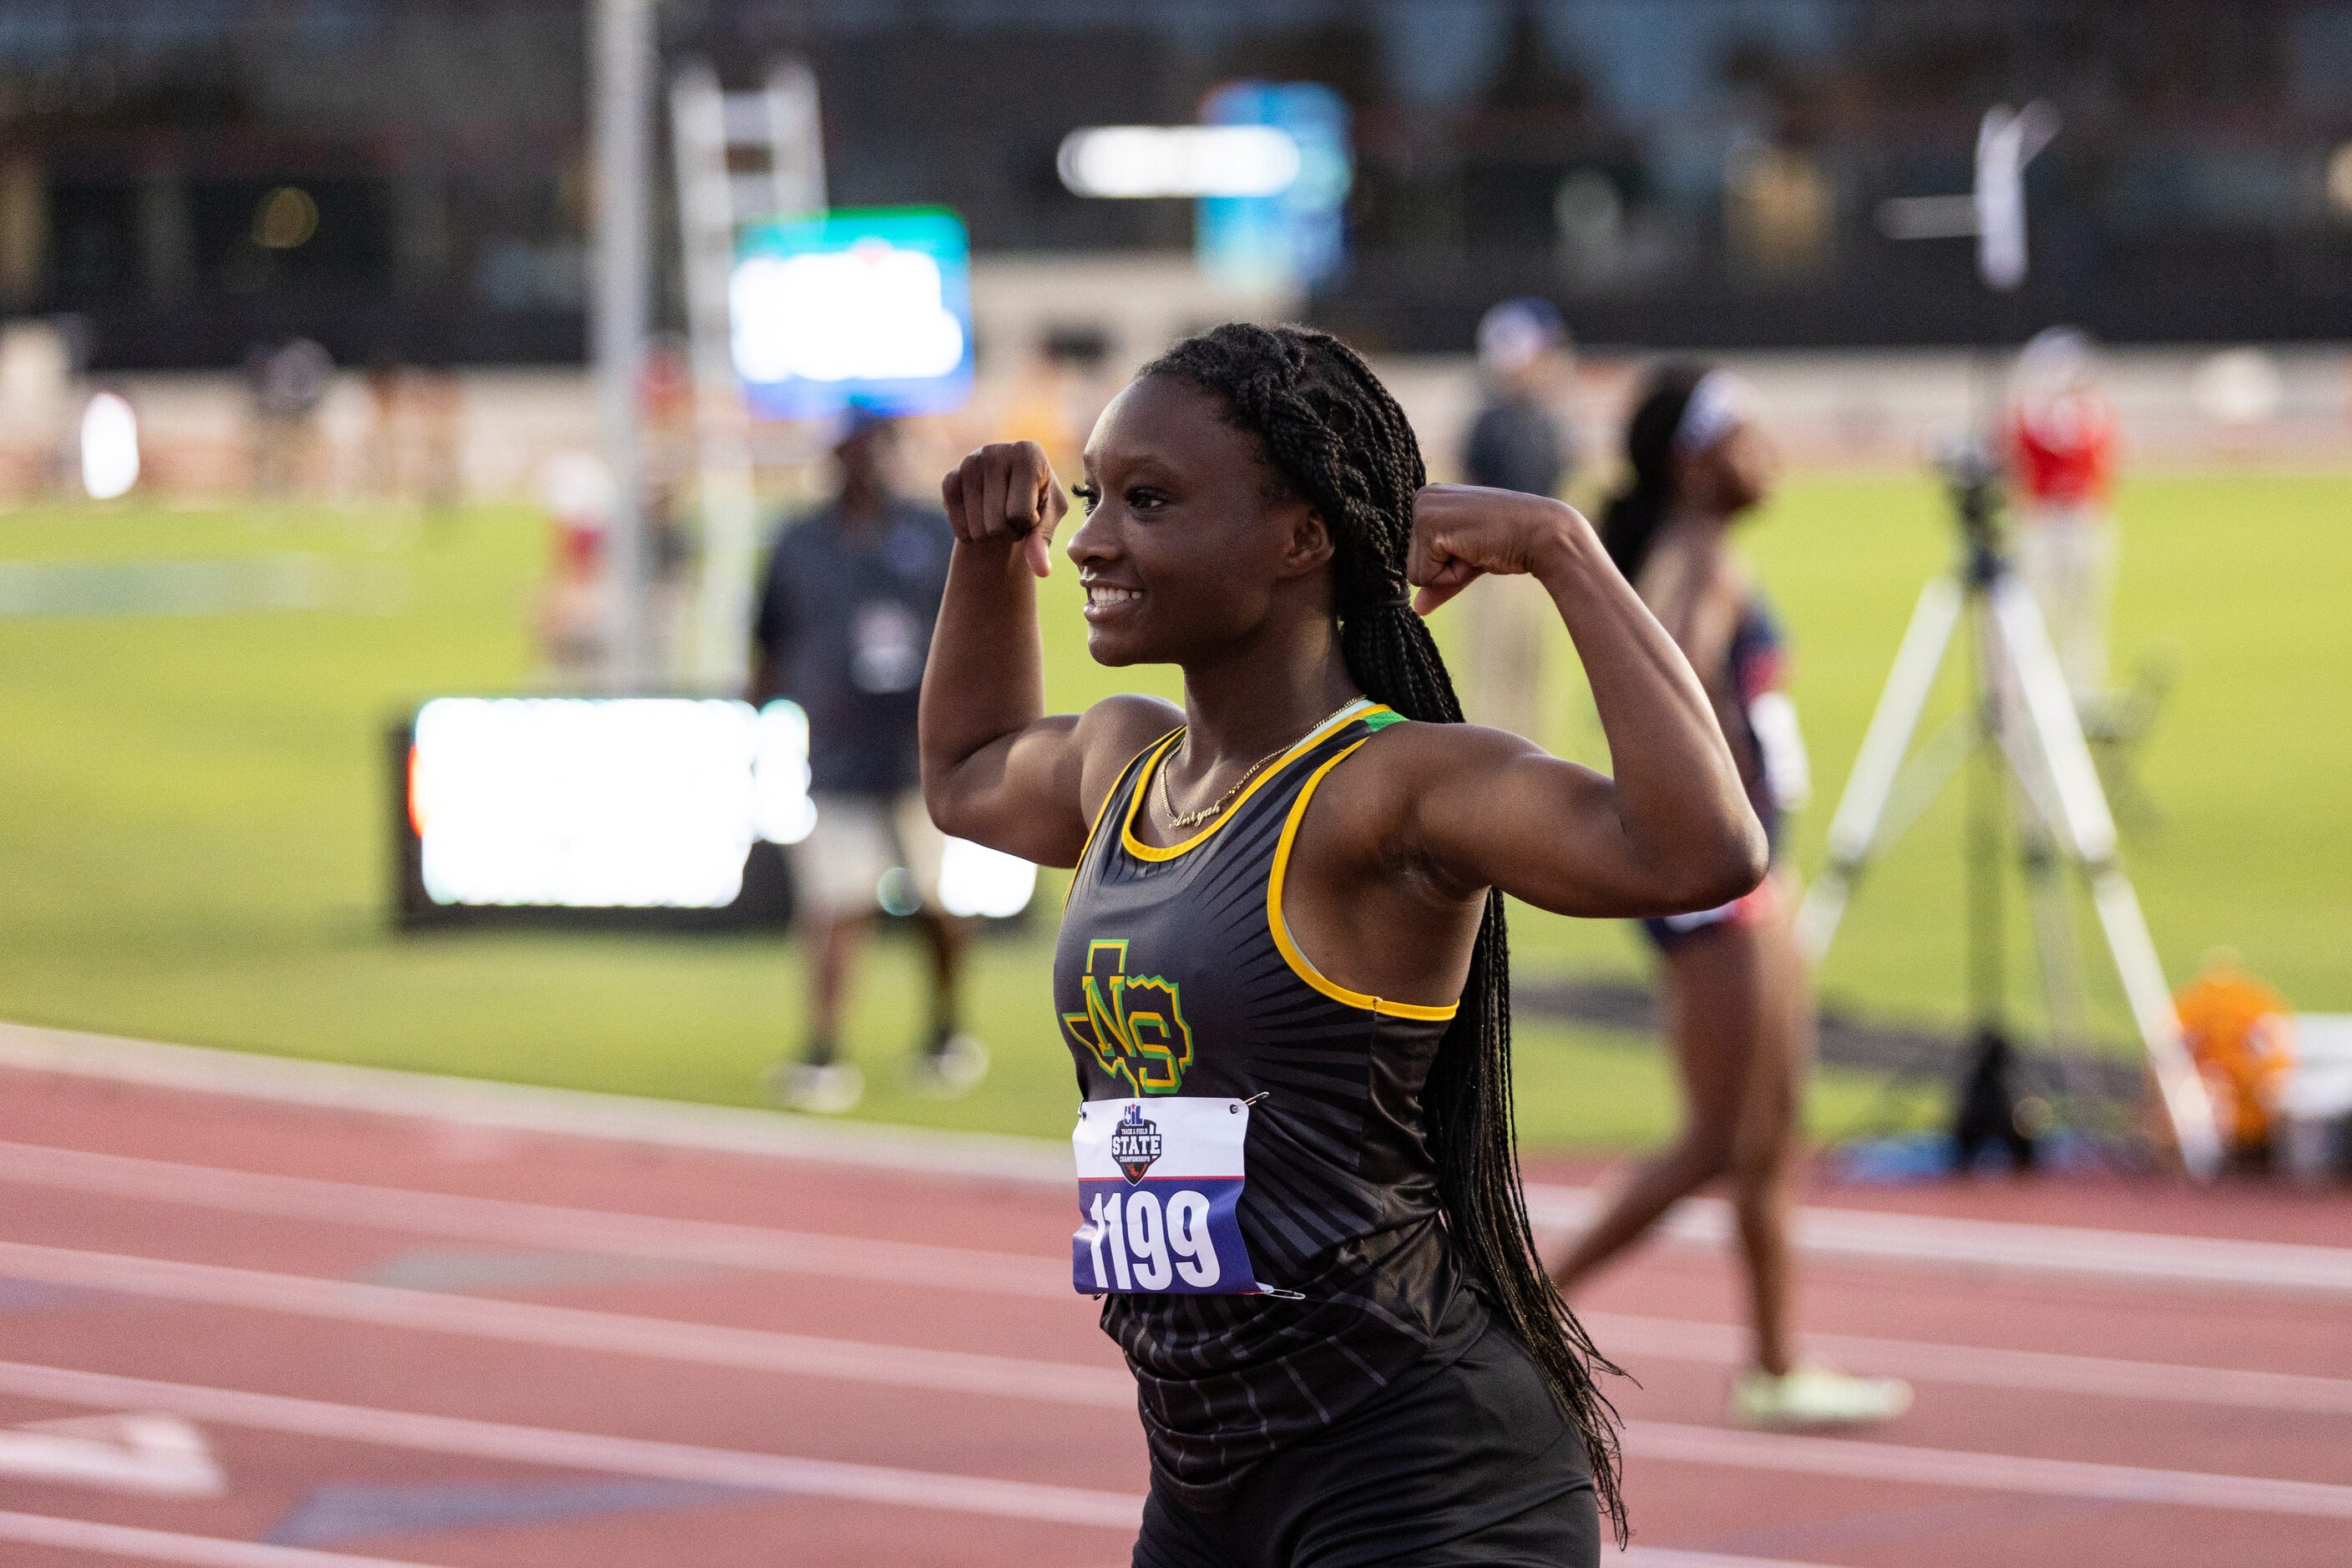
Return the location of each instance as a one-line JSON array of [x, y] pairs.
[[1516, 442], [2062, 454], [1738, 1002], [842, 626]]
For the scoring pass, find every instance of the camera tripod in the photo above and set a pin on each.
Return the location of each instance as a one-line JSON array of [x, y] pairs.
[[2021, 729]]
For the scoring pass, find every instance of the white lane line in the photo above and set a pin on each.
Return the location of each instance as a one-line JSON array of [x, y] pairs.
[[2139, 1257], [161, 1456], [1059, 1382], [512, 1223], [530, 1108], [2046, 1371], [169, 1546], [581, 1450], [572, 1328], [1857, 1460], [519, 1224], [1074, 1505], [1919, 1239]]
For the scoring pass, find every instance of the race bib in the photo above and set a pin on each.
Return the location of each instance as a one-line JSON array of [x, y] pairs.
[[1159, 1193]]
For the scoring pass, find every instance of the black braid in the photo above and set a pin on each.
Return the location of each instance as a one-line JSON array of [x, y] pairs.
[[1630, 520], [1333, 435]]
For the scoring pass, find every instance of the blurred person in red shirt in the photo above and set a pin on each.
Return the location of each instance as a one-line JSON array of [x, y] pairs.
[[2061, 441]]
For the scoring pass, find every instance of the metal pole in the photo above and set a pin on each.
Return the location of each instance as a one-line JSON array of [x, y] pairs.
[[620, 113], [729, 507], [1987, 936]]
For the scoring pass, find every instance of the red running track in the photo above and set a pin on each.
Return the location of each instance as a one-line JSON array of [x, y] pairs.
[[404, 1341]]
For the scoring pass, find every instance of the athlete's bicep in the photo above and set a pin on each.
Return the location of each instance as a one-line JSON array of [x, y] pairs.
[[1018, 794], [1501, 812], [1035, 792]]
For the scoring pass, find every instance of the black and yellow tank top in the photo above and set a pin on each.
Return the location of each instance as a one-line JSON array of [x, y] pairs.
[[1340, 1211]]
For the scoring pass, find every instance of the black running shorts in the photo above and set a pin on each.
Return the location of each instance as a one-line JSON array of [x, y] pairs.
[[1471, 1463]]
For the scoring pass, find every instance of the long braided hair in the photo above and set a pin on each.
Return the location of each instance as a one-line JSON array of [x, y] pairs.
[[1333, 435]]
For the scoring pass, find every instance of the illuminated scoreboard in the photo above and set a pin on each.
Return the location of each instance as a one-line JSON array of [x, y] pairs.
[[634, 803], [864, 306]]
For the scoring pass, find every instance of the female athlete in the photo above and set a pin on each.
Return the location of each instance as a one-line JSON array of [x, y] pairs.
[[1282, 970], [1738, 1002]]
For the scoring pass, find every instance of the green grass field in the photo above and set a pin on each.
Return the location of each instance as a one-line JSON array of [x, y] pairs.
[[193, 822]]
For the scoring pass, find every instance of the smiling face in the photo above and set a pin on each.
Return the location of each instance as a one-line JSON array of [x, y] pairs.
[[1187, 549]]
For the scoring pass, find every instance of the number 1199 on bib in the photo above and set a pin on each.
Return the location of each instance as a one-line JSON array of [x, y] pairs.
[[1160, 1189], [1136, 1243]]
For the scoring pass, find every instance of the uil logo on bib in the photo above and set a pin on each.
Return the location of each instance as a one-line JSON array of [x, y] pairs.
[[1135, 1143]]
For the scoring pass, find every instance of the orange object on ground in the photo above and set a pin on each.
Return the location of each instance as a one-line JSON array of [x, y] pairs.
[[2242, 1035]]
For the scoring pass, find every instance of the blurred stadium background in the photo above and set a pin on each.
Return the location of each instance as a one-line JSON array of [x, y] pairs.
[[197, 676]]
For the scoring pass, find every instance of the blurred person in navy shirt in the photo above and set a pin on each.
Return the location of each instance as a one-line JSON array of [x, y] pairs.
[[1517, 441], [843, 627]]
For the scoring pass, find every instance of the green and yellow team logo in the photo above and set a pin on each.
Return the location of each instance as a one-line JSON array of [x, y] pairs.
[[1133, 1023]]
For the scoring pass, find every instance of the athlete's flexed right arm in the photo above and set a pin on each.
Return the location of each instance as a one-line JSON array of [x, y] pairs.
[[997, 769]]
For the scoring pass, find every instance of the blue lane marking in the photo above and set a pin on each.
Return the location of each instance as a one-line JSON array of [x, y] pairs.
[[349, 1511], [479, 1268], [31, 1296]]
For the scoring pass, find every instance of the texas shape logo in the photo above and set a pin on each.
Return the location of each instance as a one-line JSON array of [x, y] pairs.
[[1135, 1143], [1133, 1025]]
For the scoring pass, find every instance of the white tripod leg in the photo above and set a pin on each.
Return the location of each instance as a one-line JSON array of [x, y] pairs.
[[2091, 830], [1853, 831], [2043, 840]]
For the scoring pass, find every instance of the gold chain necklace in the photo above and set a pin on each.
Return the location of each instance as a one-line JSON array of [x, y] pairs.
[[1181, 820]]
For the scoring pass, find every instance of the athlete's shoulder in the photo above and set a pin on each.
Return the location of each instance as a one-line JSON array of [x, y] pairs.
[[1110, 734], [1129, 717], [1373, 810], [1399, 764], [1414, 741]]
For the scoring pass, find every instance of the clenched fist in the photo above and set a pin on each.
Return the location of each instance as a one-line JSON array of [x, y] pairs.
[[1463, 532], [1005, 496]]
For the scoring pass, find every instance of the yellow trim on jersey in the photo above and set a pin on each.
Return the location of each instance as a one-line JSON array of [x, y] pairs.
[[1300, 964], [1103, 810], [1361, 708]]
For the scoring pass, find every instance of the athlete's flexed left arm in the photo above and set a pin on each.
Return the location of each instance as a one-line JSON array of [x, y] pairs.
[[1672, 830]]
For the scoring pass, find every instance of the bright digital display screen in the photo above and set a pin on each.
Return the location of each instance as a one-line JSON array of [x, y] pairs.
[[1295, 234], [1127, 162], [629, 803], [872, 307]]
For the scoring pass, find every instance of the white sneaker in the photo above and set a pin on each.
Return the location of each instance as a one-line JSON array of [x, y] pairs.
[[826, 1091], [1815, 1396], [953, 1067]]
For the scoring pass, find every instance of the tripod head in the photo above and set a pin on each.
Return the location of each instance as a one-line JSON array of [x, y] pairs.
[[1972, 479]]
